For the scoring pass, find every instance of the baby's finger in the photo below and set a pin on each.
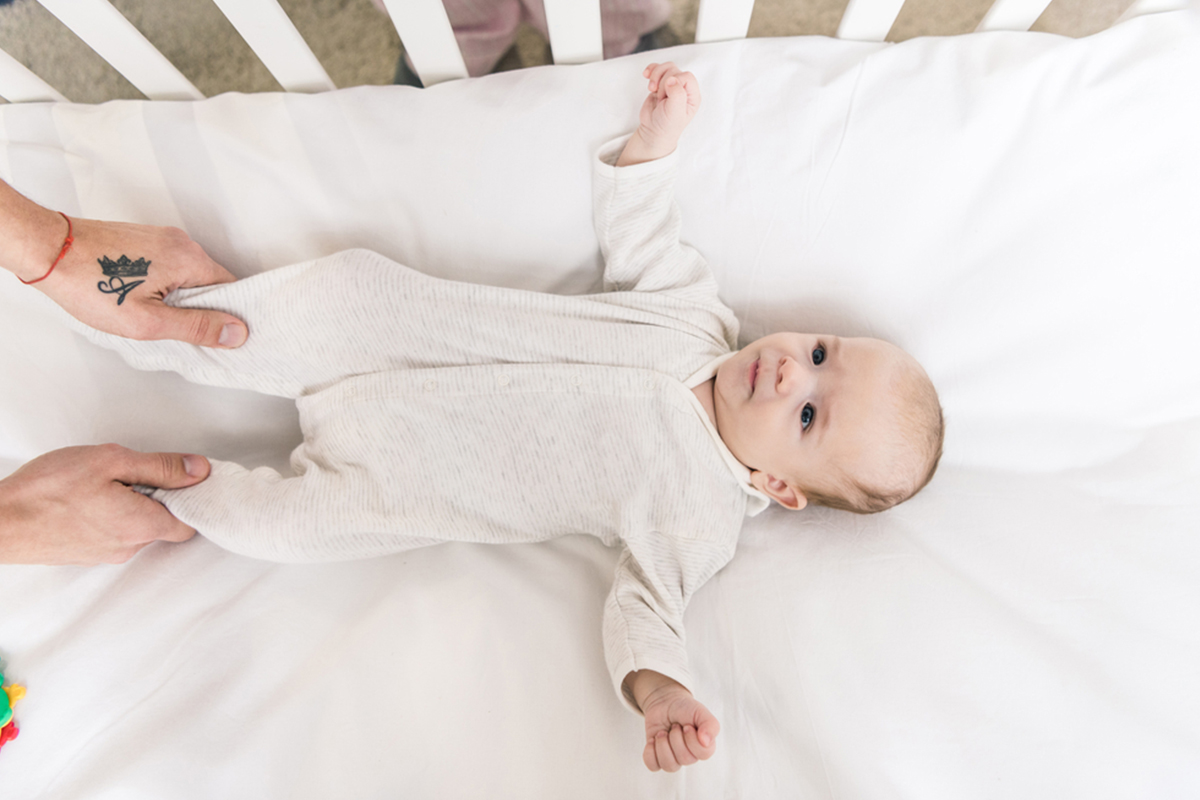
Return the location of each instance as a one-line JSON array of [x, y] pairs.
[[693, 744], [662, 749], [683, 85], [678, 748], [657, 75], [650, 757], [706, 733]]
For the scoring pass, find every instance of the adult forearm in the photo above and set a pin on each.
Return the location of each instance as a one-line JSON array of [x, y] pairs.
[[30, 236]]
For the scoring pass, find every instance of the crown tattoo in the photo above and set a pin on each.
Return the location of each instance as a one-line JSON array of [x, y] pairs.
[[123, 267]]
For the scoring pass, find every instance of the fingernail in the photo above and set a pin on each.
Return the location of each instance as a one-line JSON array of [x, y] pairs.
[[705, 739], [232, 335], [193, 466]]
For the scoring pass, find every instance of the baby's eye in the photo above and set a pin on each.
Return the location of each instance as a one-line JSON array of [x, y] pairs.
[[818, 355], [806, 415]]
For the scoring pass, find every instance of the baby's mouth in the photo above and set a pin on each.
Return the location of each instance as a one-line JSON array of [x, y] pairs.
[[753, 375]]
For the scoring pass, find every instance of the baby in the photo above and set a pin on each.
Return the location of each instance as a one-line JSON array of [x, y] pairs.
[[436, 411]]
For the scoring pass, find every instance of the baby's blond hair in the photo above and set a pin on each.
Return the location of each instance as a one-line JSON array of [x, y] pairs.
[[907, 462]]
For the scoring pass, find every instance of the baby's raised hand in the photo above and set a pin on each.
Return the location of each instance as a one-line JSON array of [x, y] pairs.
[[674, 97], [679, 729]]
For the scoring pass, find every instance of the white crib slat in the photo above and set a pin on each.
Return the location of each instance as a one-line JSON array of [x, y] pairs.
[[428, 39], [1141, 7], [869, 20], [574, 28], [1012, 15], [270, 33], [119, 43], [19, 85], [720, 20]]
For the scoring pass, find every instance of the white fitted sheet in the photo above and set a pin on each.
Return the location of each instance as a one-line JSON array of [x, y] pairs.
[[1019, 211]]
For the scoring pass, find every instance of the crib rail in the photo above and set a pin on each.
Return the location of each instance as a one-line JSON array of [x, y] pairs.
[[574, 31]]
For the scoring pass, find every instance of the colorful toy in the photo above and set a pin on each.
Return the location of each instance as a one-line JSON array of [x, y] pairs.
[[10, 695]]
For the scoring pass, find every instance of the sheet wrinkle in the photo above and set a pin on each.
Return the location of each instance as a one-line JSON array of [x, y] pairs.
[[837, 150], [108, 729]]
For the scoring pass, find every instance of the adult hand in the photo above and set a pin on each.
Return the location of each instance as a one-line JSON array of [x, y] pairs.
[[115, 275], [75, 505], [679, 730]]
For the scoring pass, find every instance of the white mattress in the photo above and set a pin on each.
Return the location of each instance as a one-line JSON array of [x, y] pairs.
[[1019, 211]]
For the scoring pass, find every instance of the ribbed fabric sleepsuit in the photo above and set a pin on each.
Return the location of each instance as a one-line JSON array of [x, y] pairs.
[[436, 411]]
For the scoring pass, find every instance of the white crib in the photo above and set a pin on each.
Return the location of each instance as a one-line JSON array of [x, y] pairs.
[[574, 29], [1016, 209]]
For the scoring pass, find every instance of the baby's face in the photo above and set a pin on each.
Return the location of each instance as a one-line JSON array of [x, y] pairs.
[[804, 408]]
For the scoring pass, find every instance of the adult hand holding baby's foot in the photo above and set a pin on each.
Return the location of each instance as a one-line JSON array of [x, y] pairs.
[[78, 505], [679, 730], [114, 276], [674, 97]]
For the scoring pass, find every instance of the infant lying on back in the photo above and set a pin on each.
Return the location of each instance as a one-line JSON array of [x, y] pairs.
[[438, 411]]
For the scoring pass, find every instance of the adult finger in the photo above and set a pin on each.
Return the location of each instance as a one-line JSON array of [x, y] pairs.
[[124, 554], [200, 269], [171, 529], [188, 265], [161, 470], [134, 522], [146, 521], [193, 325]]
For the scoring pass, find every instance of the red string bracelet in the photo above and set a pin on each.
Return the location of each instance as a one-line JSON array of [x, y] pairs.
[[70, 240]]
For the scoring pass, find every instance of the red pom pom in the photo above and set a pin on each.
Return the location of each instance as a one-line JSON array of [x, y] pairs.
[[8, 733]]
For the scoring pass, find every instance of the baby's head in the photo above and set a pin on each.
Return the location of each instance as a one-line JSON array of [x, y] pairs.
[[847, 423]]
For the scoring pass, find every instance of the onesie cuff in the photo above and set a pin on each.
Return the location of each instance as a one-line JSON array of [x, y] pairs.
[[609, 152]]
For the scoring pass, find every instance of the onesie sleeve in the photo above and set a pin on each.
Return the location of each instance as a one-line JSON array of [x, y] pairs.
[[637, 224], [643, 617]]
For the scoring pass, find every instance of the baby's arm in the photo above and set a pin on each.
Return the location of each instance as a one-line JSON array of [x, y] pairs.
[[644, 643], [679, 729], [672, 102]]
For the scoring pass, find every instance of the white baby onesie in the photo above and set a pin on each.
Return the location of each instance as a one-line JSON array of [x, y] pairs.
[[435, 411]]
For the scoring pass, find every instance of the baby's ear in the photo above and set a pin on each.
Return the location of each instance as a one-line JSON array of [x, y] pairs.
[[778, 490]]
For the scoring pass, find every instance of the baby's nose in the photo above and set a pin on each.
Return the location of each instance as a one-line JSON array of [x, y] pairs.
[[793, 377]]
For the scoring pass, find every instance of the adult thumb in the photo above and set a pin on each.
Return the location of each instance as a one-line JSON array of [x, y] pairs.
[[160, 470], [200, 327]]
